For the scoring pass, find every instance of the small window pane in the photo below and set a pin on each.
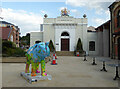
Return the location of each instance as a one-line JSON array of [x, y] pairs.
[[91, 46], [64, 34], [118, 19]]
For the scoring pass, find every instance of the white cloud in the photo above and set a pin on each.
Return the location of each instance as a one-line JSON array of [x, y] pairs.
[[99, 21], [91, 3], [99, 5], [61, 8], [43, 12], [74, 10], [26, 21]]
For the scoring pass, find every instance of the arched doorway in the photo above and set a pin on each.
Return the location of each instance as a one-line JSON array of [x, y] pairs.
[[119, 48], [65, 41]]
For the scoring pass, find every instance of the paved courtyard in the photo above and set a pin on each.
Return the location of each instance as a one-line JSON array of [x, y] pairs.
[[70, 72]]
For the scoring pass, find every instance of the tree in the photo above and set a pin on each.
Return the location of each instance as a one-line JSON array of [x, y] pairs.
[[79, 46], [25, 40], [9, 49], [51, 46]]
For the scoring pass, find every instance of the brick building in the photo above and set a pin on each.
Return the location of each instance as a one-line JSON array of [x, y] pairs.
[[9, 32], [115, 30]]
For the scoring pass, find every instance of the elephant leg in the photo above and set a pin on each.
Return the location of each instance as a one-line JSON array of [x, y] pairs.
[[33, 69], [37, 67], [43, 68], [27, 66]]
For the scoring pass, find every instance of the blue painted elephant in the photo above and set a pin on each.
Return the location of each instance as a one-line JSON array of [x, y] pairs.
[[35, 55]]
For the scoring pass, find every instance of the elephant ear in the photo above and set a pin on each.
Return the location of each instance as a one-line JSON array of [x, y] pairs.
[[47, 43]]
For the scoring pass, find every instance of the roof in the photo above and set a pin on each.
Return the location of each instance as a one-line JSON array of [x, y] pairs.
[[113, 4], [4, 22], [104, 24], [91, 29], [7, 23], [5, 32]]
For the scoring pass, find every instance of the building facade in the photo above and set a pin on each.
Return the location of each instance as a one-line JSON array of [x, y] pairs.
[[65, 31], [115, 30], [103, 33], [9, 32]]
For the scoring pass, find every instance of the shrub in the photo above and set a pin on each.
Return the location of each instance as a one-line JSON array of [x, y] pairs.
[[79, 47], [4, 49], [51, 46], [8, 44], [19, 52], [9, 49]]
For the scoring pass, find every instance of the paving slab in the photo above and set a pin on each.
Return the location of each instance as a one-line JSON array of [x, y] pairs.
[[70, 72]]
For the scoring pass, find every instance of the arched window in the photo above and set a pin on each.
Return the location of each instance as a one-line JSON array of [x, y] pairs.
[[118, 19], [37, 41], [92, 46], [64, 34]]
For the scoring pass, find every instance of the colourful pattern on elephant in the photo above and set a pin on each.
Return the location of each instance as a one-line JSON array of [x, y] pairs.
[[36, 55]]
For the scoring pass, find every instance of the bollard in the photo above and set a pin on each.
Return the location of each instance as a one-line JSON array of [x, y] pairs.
[[103, 69]]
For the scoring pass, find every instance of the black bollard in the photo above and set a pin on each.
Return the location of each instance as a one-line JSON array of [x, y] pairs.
[[94, 61], [85, 58], [103, 69], [117, 75]]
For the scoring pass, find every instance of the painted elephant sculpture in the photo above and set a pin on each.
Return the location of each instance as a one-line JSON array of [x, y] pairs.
[[36, 55]]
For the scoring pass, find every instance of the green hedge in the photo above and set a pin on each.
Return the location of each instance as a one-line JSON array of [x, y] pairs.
[[8, 44], [9, 50]]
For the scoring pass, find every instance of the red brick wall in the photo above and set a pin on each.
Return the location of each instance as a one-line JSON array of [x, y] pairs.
[[115, 30]]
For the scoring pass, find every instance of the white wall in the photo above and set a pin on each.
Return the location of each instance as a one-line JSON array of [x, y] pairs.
[[34, 36], [76, 27], [100, 43], [106, 43], [93, 36], [49, 33], [85, 42], [58, 32]]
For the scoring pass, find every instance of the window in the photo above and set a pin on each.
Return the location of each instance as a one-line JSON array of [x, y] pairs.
[[12, 38], [41, 27], [118, 19], [64, 34], [91, 46]]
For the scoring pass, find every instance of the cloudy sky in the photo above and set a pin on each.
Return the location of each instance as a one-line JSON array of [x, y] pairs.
[[28, 14]]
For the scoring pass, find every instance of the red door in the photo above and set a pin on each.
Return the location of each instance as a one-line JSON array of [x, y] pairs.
[[64, 44]]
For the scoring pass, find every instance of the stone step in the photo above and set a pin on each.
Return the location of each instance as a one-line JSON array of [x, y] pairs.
[[65, 53]]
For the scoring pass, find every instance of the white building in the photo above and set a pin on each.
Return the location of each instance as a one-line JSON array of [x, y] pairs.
[[65, 31]]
